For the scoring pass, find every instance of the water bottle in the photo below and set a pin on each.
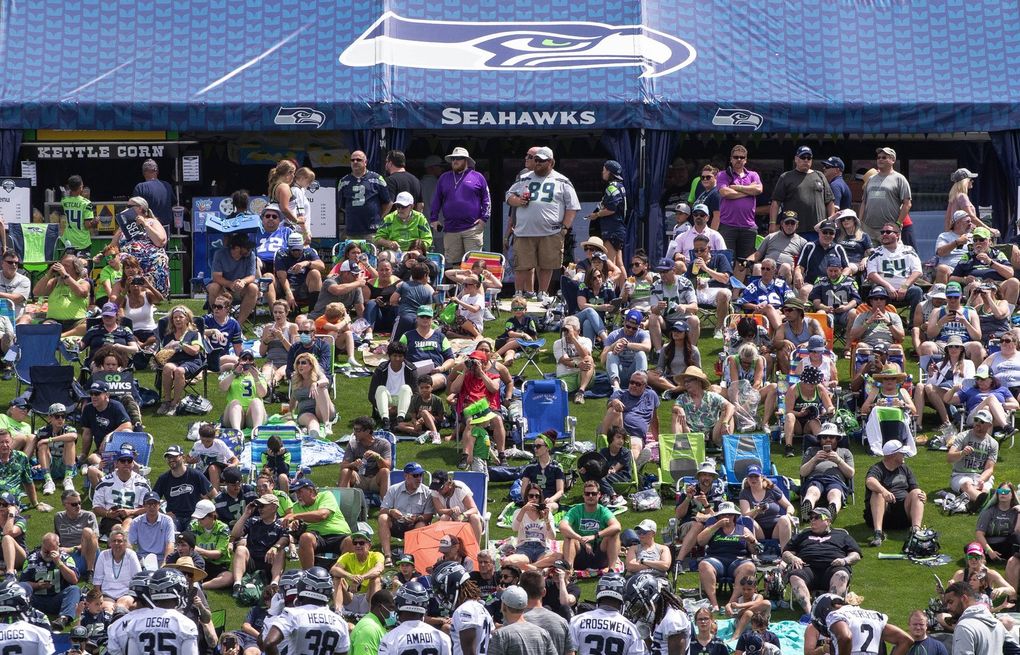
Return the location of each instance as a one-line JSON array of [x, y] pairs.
[[514, 409]]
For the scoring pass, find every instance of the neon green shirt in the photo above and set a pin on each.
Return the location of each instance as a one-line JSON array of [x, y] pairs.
[[416, 227], [64, 304], [334, 524], [14, 427], [349, 562], [108, 274], [77, 210], [242, 389], [366, 635], [215, 539]]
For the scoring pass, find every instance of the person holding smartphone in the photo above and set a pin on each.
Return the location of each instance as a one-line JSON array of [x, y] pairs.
[[826, 471], [245, 388]]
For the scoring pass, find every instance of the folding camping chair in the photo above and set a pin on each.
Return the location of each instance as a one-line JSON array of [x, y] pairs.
[[233, 438], [7, 310], [162, 325], [142, 442], [495, 263], [741, 451], [530, 349], [478, 483], [33, 258], [367, 248], [545, 406], [626, 486], [680, 455], [288, 435], [354, 508], [36, 345], [53, 384]]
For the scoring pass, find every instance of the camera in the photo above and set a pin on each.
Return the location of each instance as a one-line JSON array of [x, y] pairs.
[[762, 507], [470, 363], [542, 506], [138, 279]]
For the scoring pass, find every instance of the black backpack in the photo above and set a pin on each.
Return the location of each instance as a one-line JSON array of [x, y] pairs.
[[921, 544]]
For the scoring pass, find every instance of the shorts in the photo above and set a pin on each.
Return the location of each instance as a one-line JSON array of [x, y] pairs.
[[818, 579], [106, 524], [191, 367], [66, 324], [213, 569], [597, 559], [957, 480], [726, 568], [895, 517], [534, 550], [257, 562], [364, 482], [329, 543], [545, 253], [399, 528], [144, 335], [615, 236], [825, 485], [707, 296]]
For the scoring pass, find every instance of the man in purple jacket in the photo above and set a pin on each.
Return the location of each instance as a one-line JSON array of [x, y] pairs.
[[462, 195]]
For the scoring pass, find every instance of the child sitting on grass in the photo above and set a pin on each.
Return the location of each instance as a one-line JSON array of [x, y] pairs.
[[336, 323], [425, 413]]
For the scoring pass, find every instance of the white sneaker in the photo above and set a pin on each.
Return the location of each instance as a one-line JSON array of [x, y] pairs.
[[49, 487], [68, 483], [717, 334], [487, 315]]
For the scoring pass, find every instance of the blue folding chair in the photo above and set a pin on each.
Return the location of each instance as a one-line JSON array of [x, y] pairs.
[[259, 440], [142, 442], [741, 451], [546, 407], [478, 483], [36, 345]]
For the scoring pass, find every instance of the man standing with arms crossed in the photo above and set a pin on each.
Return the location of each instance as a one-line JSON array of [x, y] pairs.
[[363, 197]]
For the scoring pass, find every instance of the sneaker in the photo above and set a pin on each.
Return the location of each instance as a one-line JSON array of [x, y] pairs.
[[487, 315], [49, 487], [832, 510], [422, 438], [236, 589], [162, 409], [436, 439], [314, 434], [171, 411], [877, 539], [138, 427], [68, 483], [462, 462], [579, 398], [717, 334], [60, 623], [805, 511], [386, 424], [788, 452]]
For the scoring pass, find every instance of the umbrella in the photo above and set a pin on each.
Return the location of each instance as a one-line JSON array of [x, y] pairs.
[[423, 543]]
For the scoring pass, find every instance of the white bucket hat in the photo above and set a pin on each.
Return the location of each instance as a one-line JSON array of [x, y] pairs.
[[461, 152]]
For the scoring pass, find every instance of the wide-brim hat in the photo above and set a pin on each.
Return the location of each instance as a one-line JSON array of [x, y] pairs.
[[727, 508], [890, 373], [594, 242], [461, 152], [709, 468], [187, 565], [696, 373]]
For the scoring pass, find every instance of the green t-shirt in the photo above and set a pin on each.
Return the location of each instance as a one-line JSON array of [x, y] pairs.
[[588, 523], [483, 444], [416, 227], [366, 635], [14, 427], [334, 524], [349, 562], [64, 304], [285, 502], [108, 274], [16, 473], [242, 389], [215, 539], [77, 210]]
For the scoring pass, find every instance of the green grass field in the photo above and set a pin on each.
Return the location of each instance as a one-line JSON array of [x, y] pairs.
[[892, 586]]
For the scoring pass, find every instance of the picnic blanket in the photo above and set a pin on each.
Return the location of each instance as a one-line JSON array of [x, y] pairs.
[[790, 633], [314, 452]]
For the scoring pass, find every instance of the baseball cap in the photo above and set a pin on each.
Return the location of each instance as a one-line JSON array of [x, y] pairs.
[[834, 162], [127, 451], [880, 347], [790, 215], [347, 267], [613, 167], [446, 544], [413, 468], [150, 497], [983, 415], [753, 469], [19, 402], [962, 174], [833, 261], [886, 151], [203, 509], [683, 208], [99, 387], [247, 353], [804, 150], [822, 512], [634, 315], [514, 597], [826, 226], [479, 355], [110, 309], [187, 537], [439, 478], [700, 208], [231, 475], [267, 499], [982, 232], [937, 291], [816, 343], [173, 451], [954, 290], [974, 548], [544, 153], [406, 558], [271, 207], [355, 536], [959, 215], [403, 199], [425, 310], [664, 264], [878, 292], [892, 447], [295, 241], [680, 326], [301, 483], [648, 525], [56, 408]]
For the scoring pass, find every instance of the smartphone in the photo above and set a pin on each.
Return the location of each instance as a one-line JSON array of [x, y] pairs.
[[827, 448]]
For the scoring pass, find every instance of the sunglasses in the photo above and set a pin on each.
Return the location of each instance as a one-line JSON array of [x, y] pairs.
[[58, 415], [829, 232], [11, 262], [738, 157], [360, 543], [357, 159], [972, 556], [416, 475], [636, 383], [589, 494], [220, 306], [889, 232], [980, 239], [272, 216], [1003, 492], [806, 157], [707, 177], [78, 504], [304, 331], [534, 496], [630, 326]]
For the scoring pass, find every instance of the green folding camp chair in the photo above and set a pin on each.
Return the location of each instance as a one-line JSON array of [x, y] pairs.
[[627, 486], [680, 455]]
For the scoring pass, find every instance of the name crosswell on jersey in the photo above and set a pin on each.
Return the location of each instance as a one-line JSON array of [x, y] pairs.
[[866, 627]]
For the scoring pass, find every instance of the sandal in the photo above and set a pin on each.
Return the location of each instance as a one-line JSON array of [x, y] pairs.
[[388, 562]]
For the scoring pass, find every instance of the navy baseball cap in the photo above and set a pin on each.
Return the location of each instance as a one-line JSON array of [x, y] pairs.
[[413, 468], [634, 315], [833, 261], [614, 168], [20, 401], [301, 483], [834, 162], [878, 292], [99, 387], [663, 265], [753, 469], [7, 498], [804, 151], [150, 496]]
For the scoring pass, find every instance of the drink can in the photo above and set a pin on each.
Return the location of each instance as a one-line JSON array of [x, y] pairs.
[[285, 408]]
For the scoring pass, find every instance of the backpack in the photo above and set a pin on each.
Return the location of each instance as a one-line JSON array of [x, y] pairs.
[[252, 585], [921, 544], [195, 404]]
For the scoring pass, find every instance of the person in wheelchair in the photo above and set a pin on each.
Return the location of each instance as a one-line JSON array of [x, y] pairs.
[[763, 502], [819, 559], [826, 471], [728, 549]]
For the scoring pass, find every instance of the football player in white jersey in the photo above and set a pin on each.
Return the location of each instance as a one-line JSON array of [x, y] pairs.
[[18, 636], [604, 630], [310, 627], [855, 630], [160, 627], [658, 614], [412, 636], [472, 624], [118, 495]]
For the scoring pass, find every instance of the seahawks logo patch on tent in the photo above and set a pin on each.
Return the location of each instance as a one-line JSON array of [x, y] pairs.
[[516, 46], [8, 185]]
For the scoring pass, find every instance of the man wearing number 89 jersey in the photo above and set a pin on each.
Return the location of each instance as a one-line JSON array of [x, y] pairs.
[[604, 630], [160, 627], [412, 636], [855, 630], [310, 627], [18, 636]]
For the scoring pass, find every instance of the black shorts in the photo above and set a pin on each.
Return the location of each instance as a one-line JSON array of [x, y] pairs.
[[818, 579], [597, 559], [895, 517], [398, 528], [144, 335], [213, 569], [328, 544], [257, 562], [106, 524]]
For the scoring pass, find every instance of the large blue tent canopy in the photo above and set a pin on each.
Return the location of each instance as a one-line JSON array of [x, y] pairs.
[[771, 65]]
